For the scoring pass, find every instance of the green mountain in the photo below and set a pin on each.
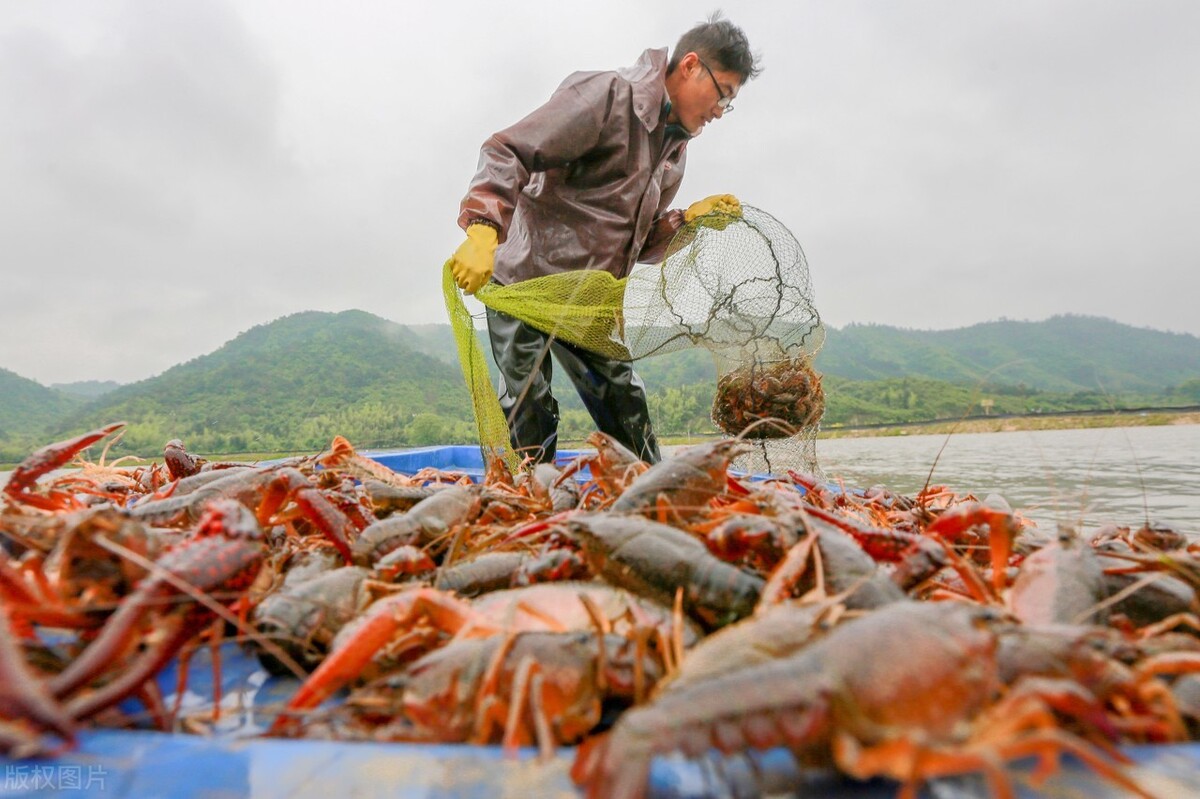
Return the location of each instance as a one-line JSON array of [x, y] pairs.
[[26, 405], [1063, 353], [87, 389], [438, 342], [293, 384]]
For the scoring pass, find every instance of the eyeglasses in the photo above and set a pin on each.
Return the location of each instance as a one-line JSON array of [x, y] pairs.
[[724, 101]]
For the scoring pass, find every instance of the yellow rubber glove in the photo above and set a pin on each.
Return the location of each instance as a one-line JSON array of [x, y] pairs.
[[724, 205], [472, 261]]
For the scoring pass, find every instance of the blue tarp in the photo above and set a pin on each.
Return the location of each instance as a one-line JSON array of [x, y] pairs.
[[229, 760], [460, 458]]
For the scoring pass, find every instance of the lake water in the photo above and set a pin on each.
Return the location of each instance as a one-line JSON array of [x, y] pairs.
[[1081, 477]]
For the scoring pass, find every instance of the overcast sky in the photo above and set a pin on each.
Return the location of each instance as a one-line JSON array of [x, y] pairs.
[[174, 173]]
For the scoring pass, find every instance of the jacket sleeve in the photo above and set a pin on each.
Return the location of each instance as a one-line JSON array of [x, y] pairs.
[[567, 126], [667, 222], [661, 232]]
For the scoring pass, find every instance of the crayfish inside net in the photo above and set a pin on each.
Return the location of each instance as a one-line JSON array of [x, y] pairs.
[[788, 391]]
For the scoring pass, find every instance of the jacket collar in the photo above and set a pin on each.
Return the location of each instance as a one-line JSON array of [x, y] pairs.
[[648, 78]]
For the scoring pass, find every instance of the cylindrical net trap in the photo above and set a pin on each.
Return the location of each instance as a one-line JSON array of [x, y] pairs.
[[739, 286]]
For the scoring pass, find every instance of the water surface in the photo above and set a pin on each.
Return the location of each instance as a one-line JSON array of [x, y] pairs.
[[1080, 477]]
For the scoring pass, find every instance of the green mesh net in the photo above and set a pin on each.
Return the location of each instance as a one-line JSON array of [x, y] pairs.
[[736, 285]]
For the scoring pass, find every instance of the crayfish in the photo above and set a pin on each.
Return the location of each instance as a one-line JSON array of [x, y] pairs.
[[149, 627], [848, 699], [516, 689], [409, 623]]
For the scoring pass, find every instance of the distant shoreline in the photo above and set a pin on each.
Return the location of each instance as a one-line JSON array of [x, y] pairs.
[[1150, 417]]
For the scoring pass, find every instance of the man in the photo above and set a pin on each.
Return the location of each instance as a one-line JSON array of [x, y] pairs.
[[585, 182]]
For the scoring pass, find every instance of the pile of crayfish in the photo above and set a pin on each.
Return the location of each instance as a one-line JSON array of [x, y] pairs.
[[641, 611], [787, 392]]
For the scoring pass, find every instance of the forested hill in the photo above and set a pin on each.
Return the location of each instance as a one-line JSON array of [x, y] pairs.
[[87, 389], [26, 404], [293, 384], [1063, 353]]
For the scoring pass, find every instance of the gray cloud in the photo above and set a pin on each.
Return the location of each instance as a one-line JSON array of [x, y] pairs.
[[177, 172]]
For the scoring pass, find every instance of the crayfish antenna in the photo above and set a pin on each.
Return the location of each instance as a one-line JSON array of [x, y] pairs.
[[539, 526]]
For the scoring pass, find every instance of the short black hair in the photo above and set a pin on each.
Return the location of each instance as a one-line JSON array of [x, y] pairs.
[[721, 44]]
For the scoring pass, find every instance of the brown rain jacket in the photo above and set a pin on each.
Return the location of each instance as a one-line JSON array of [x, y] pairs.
[[585, 180]]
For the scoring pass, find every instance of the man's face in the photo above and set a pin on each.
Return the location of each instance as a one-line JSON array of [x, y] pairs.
[[701, 93]]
